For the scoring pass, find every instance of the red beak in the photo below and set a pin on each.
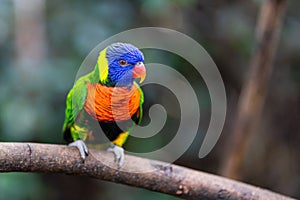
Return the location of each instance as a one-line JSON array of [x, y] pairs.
[[139, 71]]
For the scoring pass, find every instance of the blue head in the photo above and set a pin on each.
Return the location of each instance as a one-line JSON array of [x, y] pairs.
[[125, 63]]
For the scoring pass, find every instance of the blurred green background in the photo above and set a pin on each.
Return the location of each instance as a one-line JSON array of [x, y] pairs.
[[42, 44]]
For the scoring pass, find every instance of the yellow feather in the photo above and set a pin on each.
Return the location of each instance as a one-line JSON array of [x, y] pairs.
[[103, 66], [121, 139]]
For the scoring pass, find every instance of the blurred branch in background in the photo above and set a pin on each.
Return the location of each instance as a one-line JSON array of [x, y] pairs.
[[30, 34], [254, 92], [161, 177]]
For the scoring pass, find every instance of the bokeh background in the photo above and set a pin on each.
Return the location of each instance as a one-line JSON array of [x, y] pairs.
[[42, 44]]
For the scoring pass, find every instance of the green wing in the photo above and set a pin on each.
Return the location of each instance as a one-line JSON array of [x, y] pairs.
[[75, 103], [139, 115]]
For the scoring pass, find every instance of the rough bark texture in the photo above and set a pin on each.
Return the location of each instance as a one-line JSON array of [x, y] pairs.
[[161, 177], [254, 92]]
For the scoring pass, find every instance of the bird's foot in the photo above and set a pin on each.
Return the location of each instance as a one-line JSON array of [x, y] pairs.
[[119, 154], [83, 150]]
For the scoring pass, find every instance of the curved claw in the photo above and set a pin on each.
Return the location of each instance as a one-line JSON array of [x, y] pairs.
[[119, 154], [83, 150]]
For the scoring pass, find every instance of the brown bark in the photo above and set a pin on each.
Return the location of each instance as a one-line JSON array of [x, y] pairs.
[[162, 177], [254, 92]]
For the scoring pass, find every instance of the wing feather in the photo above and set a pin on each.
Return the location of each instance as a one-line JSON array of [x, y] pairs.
[[75, 103]]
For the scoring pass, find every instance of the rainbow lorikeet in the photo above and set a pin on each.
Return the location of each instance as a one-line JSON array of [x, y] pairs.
[[108, 95]]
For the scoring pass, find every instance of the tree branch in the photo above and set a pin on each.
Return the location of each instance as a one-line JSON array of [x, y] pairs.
[[253, 95], [164, 177]]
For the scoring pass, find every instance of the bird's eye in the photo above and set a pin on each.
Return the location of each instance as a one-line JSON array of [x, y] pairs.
[[123, 62]]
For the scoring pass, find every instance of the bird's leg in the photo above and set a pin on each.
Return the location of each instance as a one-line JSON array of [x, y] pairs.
[[117, 149], [119, 153], [83, 150]]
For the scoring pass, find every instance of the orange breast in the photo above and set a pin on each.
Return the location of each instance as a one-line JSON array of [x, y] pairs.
[[112, 103]]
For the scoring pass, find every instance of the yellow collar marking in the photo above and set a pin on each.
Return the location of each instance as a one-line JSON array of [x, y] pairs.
[[103, 66]]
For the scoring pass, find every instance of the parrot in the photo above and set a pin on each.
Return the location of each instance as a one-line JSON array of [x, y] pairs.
[[109, 95]]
